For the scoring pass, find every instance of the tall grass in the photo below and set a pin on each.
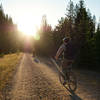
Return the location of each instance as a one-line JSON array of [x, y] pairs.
[[7, 66]]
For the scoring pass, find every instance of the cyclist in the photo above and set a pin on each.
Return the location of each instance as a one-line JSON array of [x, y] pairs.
[[66, 49]]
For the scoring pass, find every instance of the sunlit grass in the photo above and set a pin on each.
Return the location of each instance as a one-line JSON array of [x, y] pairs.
[[7, 66]]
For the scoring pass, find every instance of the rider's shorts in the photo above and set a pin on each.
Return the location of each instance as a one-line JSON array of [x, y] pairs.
[[66, 64]]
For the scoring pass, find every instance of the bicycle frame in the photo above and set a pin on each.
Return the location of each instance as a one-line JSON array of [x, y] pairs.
[[58, 67], [69, 77]]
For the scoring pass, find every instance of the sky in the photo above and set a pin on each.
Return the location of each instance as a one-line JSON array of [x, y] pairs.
[[27, 14]]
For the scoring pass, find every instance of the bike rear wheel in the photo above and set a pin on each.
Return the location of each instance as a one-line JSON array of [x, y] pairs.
[[72, 81], [61, 78]]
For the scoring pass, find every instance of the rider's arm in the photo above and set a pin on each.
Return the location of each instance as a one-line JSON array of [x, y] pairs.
[[59, 52]]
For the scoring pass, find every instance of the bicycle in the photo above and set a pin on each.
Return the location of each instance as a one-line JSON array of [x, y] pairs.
[[69, 80]]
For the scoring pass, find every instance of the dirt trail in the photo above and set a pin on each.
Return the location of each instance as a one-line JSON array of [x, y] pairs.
[[37, 82], [88, 83]]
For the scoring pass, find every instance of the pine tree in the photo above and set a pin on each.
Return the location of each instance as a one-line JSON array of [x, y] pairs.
[[70, 15], [98, 45]]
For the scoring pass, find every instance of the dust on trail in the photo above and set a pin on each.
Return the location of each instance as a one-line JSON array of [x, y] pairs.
[[37, 82]]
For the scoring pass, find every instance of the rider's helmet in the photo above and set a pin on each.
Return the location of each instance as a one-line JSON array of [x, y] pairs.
[[66, 39]]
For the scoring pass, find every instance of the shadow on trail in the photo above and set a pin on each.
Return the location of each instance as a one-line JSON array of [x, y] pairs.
[[73, 95], [50, 64]]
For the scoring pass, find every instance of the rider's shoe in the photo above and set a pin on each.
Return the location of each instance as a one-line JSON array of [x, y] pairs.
[[64, 82]]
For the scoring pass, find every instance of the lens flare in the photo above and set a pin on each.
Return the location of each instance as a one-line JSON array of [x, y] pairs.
[[36, 36]]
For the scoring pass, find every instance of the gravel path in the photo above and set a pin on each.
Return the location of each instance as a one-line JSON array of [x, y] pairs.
[[88, 83], [37, 82]]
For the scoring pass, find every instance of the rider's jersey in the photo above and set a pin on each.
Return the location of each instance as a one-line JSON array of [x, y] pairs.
[[69, 50]]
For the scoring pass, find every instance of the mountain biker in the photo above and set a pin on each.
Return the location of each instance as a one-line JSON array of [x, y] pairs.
[[66, 49]]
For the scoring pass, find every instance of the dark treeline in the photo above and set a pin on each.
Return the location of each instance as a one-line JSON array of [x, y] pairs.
[[8, 31], [78, 23], [44, 46], [11, 40]]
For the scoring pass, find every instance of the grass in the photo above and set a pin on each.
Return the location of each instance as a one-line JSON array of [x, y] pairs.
[[7, 66], [1, 55]]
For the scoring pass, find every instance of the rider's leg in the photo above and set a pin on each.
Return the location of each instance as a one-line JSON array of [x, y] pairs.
[[66, 64], [64, 68]]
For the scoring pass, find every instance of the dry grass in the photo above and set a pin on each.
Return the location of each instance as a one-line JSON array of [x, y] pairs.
[[7, 66]]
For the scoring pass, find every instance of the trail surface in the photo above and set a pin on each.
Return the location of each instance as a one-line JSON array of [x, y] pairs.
[[39, 81]]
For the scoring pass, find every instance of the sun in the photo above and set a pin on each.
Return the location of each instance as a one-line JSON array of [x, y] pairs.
[[27, 29], [29, 26], [30, 30]]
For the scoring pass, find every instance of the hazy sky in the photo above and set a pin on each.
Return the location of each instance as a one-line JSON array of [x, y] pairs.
[[28, 13]]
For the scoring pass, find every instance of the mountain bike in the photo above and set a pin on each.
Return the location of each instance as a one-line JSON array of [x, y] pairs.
[[69, 80]]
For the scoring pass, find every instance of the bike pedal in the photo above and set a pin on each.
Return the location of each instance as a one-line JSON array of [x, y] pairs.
[[65, 83]]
